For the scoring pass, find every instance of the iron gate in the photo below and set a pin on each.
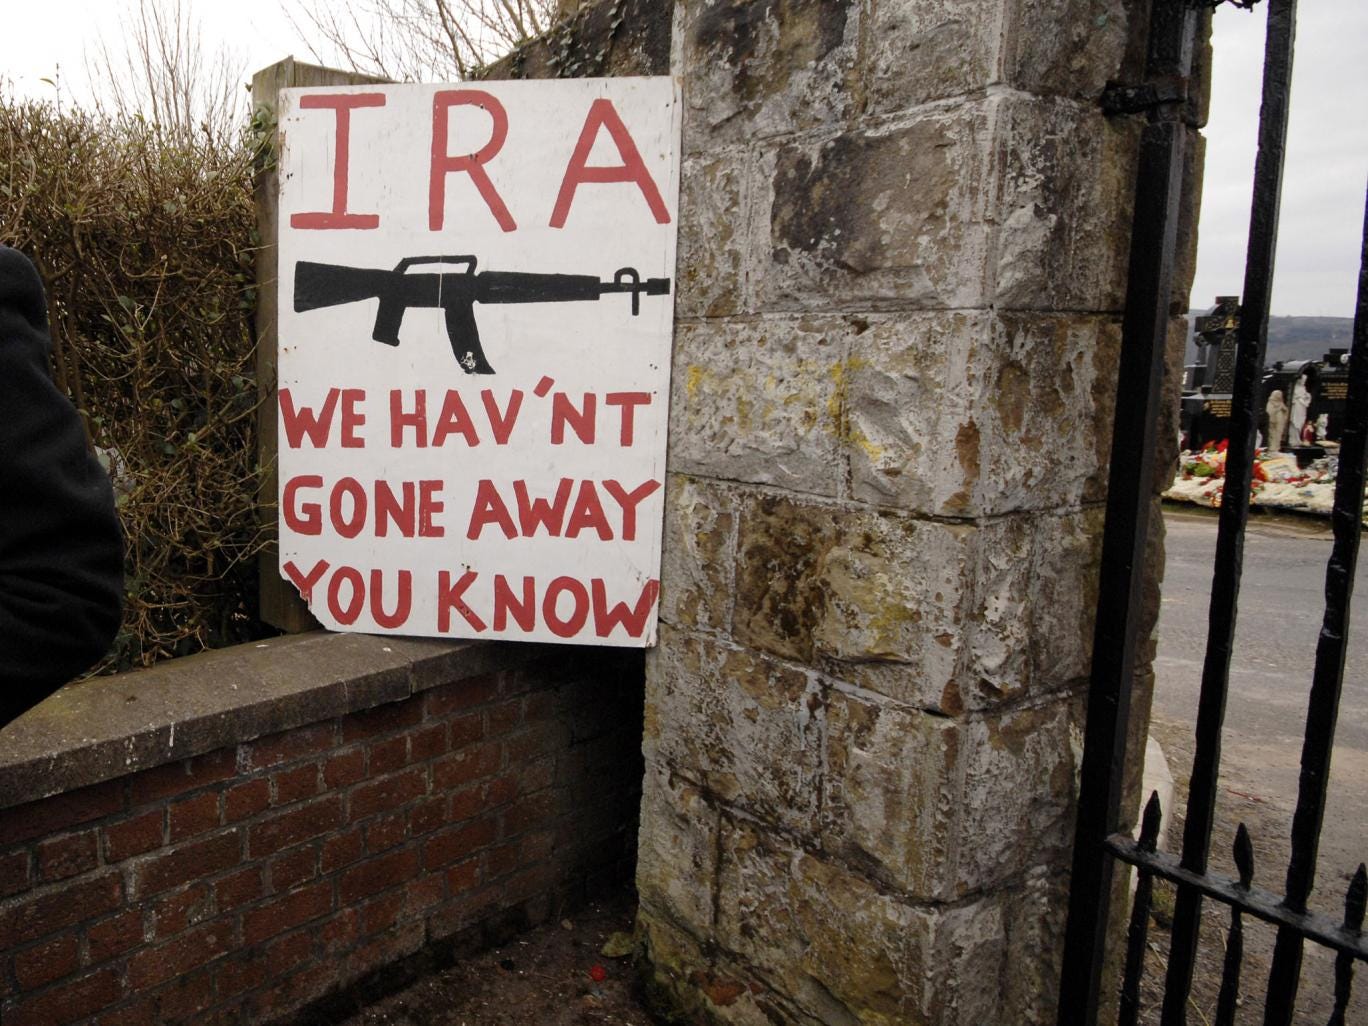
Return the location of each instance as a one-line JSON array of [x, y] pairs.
[[1098, 843]]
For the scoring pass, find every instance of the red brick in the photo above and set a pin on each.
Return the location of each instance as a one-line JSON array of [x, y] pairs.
[[428, 742], [340, 932], [469, 803], [388, 755], [386, 793], [502, 860], [114, 936], [377, 875], [134, 836], [246, 799], [263, 964], [190, 861], [463, 876], [384, 832], [379, 915], [383, 719], [296, 784], [49, 961], [295, 990], [287, 912], [68, 856], [466, 730], [342, 850], [537, 775], [184, 998], [70, 1000], [290, 746], [193, 816], [345, 768], [500, 791], [298, 823], [293, 868], [427, 815], [533, 881], [181, 777], [446, 846], [463, 694], [14, 873], [504, 716], [533, 811], [54, 911], [535, 742], [52, 815], [423, 893], [466, 765], [181, 910], [541, 706], [395, 944], [189, 951], [241, 888]]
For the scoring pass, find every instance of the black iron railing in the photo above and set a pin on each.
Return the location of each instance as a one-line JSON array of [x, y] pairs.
[[1098, 844]]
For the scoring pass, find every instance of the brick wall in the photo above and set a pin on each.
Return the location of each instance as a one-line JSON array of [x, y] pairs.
[[248, 882]]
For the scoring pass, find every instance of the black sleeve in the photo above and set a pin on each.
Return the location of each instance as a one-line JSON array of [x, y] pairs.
[[61, 550]]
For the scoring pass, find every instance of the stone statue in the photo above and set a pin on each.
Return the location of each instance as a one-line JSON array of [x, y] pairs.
[[1276, 409], [1301, 403]]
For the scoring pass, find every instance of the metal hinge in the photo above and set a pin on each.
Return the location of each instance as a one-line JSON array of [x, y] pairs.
[[1132, 99]]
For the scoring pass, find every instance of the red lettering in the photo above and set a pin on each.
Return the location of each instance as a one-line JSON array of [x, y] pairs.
[[602, 114], [506, 604], [450, 596], [633, 620], [346, 615], [347, 527], [400, 420], [489, 509], [629, 401], [391, 510], [428, 507], [311, 522], [454, 420], [536, 513], [581, 421], [502, 423], [472, 164], [342, 104], [303, 422], [570, 625], [352, 418], [304, 583], [629, 502], [403, 604], [588, 514]]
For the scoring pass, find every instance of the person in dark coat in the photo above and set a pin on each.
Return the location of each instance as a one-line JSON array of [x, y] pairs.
[[61, 549]]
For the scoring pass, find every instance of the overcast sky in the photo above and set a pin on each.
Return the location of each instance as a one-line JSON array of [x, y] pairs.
[[1327, 164]]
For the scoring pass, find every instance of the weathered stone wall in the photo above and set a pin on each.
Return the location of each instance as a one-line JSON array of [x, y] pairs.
[[904, 228]]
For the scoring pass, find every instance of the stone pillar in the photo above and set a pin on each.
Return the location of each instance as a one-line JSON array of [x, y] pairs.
[[902, 266]]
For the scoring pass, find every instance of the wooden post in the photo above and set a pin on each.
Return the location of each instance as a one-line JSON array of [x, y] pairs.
[[281, 605]]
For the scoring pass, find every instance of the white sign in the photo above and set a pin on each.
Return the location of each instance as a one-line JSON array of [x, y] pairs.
[[476, 304]]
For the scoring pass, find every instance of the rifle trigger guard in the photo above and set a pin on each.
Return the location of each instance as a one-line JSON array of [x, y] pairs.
[[629, 275]]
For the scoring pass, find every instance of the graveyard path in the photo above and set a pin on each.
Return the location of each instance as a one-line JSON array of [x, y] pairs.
[[1281, 604]]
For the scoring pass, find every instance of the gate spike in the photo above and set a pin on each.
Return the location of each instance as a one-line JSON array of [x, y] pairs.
[[1244, 857], [1149, 823], [1355, 900]]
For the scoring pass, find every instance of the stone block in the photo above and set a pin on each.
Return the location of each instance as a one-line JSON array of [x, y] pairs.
[[758, 401], [1018, 801], [889, 803], [698, 555], [924, 50], [1066, 180], [676, 871], [1064, 568], [759, 68], [1033, 921], [892, 216], [848, 952], [713, 234], [1069, 47], [746, 728], [971, 414]]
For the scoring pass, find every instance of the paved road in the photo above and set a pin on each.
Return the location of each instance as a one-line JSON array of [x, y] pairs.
[[1282, 602]]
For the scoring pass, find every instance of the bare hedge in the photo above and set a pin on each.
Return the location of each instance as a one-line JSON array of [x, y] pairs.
[[146, 244]]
